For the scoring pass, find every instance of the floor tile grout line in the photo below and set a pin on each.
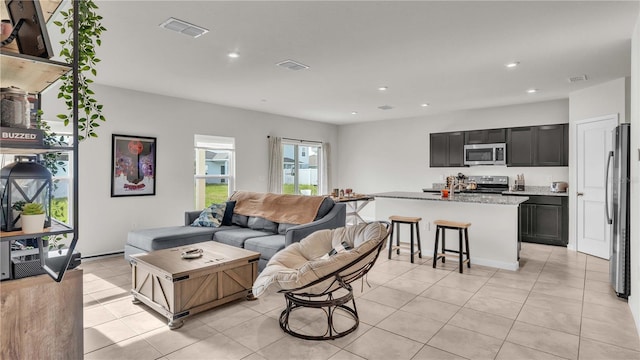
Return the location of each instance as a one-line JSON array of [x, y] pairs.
[[582, 307], [523, 304]]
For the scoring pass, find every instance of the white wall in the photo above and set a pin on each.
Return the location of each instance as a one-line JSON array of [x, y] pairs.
[[602, 99], [634, 299], [394, 155], [599, 100], [105, 221]]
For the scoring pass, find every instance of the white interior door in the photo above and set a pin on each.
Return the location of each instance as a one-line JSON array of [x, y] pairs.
[[594, 142]]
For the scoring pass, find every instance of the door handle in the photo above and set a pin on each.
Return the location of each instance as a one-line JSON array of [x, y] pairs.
[[579, 194], [606, 188]]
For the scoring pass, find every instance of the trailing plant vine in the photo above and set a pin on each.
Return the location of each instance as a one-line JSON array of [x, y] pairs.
[[90, 29], [51, 160]]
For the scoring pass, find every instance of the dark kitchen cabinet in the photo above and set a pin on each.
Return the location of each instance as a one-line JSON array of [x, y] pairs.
[[520, 146], [489, 136], [446, 149], [544, 220], [546, 145], [551, 145]]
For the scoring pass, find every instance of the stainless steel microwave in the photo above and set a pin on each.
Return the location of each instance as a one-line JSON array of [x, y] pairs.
[[485, 154]]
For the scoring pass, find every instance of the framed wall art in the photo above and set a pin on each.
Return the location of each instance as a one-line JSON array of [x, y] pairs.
[[133, 165]]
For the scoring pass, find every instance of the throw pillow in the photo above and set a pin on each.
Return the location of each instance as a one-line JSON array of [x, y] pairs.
[[228, 213], [211, 216], [344, 246]]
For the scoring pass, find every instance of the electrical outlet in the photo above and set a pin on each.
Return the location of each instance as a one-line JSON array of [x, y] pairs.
[[549, 178], [134, 226]]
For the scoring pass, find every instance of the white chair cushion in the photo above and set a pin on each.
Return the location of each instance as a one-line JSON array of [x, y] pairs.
[[300, 264]]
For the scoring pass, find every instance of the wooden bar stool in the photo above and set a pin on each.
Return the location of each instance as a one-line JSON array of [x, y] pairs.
[[442, 225], [395, 228]]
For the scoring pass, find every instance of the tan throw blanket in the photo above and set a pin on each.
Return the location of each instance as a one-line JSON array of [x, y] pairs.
[[290, 209]]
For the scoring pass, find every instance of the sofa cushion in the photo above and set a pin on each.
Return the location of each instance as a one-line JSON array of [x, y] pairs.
[[325, 206], [211, 216], [240, 220], [258, 223], [239, 236], [172, 236], [282, 227], [267, 246]]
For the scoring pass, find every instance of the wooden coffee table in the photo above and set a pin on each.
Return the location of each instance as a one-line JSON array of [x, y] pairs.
[[177, 288]]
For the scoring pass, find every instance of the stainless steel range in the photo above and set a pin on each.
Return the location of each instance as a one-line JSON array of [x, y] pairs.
[[487, 184]]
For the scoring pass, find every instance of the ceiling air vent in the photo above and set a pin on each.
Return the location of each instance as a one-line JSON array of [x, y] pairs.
[[184, 27], [292, 65], [573, 79], [385, 107]]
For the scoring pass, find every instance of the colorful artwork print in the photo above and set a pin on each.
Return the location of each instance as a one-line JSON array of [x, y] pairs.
[[133, 165]]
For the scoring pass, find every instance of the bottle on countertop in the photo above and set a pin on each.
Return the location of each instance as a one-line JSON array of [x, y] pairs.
[[520, 182]]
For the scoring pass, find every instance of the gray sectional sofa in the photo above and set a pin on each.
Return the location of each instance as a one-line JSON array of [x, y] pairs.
[[249, 232]]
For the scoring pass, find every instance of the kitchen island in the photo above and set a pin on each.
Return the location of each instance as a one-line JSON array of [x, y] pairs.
[[493, 235]]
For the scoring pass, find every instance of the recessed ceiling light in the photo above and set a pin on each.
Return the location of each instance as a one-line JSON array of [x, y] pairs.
[[183, 27], [424, 105], [532, 91], [354, 113], [233, 55], [512, 64], [383, 88]]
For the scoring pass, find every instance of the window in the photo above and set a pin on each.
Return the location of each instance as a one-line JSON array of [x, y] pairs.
[[301, 167], [214, 169], [62, 194]]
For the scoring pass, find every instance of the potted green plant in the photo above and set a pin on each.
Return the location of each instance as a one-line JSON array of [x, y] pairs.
[[17, 210], [32, 218]]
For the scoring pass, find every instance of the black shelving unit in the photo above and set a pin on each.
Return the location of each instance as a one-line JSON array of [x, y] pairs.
[[34, 75]]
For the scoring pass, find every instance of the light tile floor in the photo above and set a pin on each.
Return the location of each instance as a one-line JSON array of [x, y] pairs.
[[558, 305]]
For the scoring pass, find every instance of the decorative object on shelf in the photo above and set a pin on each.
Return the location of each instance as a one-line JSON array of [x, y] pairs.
[[15, 108], [90, 30], [32, 218], [24, 180], [133, 165]]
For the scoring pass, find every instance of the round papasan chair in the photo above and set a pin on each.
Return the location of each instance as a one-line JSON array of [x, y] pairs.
[[316, 274]]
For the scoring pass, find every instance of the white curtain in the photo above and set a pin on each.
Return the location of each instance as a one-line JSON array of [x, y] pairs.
[[275, 165], [325, 182]]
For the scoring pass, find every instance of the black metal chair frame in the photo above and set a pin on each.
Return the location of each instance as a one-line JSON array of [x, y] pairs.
[[329, 300]]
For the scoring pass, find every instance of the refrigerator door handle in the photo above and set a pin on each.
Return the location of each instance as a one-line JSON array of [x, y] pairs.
[[606, 188]]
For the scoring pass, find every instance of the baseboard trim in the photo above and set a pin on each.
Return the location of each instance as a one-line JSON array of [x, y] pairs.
[[93, 257]]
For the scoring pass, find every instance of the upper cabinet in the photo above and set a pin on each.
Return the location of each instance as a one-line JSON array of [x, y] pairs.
[[489, 136], [446, 149], [546, 145], [520, 146], [552, 145]]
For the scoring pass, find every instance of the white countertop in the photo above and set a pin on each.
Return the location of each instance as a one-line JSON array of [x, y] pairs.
[[535, 191], [495, 199]]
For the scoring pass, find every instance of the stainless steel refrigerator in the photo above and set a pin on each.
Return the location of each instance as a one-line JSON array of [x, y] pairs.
[[618, 210]]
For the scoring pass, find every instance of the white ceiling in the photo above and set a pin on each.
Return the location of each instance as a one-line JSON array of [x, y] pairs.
[[450, 54]]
